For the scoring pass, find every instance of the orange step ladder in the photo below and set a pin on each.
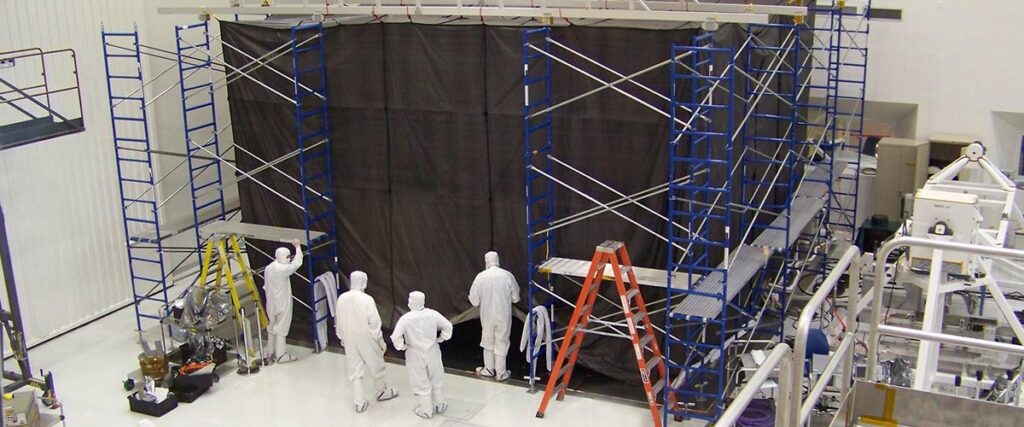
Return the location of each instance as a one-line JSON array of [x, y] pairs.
[[645, 343]]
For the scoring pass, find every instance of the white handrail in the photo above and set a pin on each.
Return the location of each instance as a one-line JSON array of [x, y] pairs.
[[876, 290], [896, 331], [779, 357], [843, 353], [849, 261]]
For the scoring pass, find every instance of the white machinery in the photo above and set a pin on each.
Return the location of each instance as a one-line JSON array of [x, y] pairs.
[[968, 370]]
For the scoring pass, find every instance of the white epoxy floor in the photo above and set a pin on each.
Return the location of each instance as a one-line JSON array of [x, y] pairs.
[[90, 363]]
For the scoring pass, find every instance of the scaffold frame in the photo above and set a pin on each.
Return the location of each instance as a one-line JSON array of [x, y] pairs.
[[202, 72]]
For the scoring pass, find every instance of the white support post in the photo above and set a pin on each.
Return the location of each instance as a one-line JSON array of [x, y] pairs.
[[928, 351]]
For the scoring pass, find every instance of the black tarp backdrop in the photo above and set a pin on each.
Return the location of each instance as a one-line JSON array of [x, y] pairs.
[[427, 140]]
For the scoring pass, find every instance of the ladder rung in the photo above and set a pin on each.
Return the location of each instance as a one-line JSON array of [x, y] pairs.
[[198, 86], [190, 130], [560, 388], [572, 349], [646, 340], [632, 293], [652, 363], [565, 368], [139, 140], [657, 387], [586, 308], [203, 64], [638, 316], [196, 107]]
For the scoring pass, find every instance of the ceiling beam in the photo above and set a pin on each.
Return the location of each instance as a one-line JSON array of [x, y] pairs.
[[569, 9]]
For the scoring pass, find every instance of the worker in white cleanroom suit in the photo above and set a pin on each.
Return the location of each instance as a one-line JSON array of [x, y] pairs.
[[278, 287], [494, 290], [417, 334], [357, 324]]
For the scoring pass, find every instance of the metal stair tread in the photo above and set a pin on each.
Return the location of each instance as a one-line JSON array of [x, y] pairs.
[[747, 260], [743, 265]]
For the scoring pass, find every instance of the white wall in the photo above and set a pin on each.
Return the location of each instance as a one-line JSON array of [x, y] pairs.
[[960, 61], [60, 196]]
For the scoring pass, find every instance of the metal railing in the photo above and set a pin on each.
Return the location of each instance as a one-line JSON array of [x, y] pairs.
[[800, 408], [781, 358], [791, 407], [877, 327], [796, 409]]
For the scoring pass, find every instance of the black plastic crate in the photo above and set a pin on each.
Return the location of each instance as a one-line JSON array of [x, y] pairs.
[[153, 408]]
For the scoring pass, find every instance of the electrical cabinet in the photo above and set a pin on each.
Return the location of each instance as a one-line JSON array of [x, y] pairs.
[[902, 169]]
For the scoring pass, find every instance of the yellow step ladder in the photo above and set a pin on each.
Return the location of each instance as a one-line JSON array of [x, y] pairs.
[[221, 243]]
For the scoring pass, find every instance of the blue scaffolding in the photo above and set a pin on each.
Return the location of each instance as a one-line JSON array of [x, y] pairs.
[[314, 151], [137, 187], [701, 149], [849, 42], [540, 196], [767, 162], [199, 114], [196, 64], [831, 114], [731, 254]]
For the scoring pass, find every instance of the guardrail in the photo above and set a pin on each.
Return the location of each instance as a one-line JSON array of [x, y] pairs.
[[781, 357], [791, 408], [799, 408], [876, 303]]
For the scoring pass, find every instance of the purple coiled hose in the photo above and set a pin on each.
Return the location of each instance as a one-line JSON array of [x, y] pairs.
[[759, 413]]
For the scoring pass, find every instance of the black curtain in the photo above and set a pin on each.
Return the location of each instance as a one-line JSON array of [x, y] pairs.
[[427, 139]]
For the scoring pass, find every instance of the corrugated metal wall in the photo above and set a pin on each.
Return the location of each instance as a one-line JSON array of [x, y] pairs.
[[60, 196]]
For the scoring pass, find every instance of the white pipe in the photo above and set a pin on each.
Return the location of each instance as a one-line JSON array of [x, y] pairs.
[[844, 354], [850, 261], [973, 343], [779, 357], [586, 196], [876, 301]]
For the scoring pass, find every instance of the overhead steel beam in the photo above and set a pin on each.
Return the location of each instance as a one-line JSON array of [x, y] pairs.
[[623, 5], [567, 9]]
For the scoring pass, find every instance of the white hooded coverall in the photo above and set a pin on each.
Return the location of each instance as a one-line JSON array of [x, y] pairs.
[[278, 287], [357, 325], [494, 290], [417, 333]]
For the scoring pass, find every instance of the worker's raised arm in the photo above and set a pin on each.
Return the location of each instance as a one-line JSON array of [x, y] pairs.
[[297, 259]]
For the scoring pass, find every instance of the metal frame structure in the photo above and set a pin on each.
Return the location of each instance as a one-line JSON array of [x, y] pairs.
[[800, 174], [31, 94], [700, 146], [135, 174], [787, 185], [201, 73], [623, 10], [199, 116]]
